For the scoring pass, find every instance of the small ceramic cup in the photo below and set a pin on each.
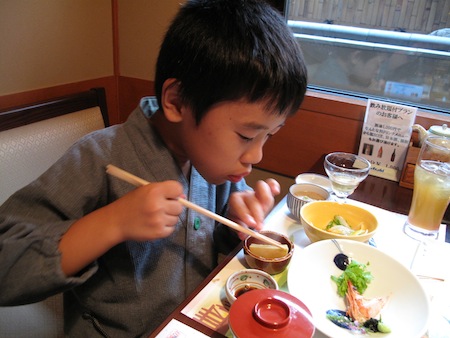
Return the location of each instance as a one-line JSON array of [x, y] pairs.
[[247, 280], [302, 193]]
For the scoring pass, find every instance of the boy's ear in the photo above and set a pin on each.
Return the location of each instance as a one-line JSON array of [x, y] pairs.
[[171, 101]]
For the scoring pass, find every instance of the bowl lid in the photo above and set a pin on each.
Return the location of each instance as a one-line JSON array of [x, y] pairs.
[[270, 313], [440, 130], [316, 179]]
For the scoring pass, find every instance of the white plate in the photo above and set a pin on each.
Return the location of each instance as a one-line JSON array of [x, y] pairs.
[[406, 313], [321, 180]]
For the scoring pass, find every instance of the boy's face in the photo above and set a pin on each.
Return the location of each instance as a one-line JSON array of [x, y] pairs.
[[229, 139]]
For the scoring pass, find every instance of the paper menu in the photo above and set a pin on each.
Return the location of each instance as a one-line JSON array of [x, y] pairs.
[[177, 329], [385, 137]]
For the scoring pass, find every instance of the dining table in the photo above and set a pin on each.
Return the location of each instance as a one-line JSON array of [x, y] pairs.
[[205, 312]]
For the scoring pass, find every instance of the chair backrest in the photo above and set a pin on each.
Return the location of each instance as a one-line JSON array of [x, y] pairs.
[[32, 138]]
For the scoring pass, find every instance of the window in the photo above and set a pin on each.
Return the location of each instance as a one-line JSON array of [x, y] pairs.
[[393, 50]]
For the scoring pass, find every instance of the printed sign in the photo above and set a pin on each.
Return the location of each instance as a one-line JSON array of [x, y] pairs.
[[413, 92], [385, 137]]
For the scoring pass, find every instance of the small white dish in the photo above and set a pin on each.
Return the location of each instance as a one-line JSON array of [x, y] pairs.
[[316, 179], [247, 280], [407, 311]]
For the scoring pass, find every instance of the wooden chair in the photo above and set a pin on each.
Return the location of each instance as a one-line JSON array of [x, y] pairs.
[[32, 138]]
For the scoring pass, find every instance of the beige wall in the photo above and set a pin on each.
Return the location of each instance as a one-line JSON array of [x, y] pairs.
[[46, 43], [142, 24]]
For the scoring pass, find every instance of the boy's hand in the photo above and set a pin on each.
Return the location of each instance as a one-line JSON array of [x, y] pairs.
[[148, 212], [251, 207]]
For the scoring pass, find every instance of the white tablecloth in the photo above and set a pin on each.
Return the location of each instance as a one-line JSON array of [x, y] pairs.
[[391, 239], [210, 308]]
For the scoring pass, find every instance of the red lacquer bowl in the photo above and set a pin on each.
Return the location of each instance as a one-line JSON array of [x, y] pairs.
[[270, 313]]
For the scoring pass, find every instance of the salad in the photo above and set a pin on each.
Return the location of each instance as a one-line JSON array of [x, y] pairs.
[[339, 225], [362, 314]]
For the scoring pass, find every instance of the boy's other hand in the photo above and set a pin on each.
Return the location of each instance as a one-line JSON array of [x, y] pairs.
[[249, 208]]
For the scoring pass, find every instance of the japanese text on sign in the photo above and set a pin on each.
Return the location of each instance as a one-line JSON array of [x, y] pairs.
[[385, 137]]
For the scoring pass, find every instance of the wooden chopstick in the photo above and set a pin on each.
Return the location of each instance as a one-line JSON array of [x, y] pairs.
[[137, 181]]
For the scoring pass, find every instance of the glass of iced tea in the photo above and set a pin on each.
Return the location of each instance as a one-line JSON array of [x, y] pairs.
[[431, 193]]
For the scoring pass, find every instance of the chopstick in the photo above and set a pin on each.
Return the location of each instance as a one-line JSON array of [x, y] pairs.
[[429, 277], [137, 181]]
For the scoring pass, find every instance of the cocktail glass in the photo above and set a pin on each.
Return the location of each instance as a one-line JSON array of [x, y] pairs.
[[431, 193], [345, 171]]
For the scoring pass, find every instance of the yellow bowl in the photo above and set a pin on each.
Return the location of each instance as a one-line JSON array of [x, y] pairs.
[[315, 216]]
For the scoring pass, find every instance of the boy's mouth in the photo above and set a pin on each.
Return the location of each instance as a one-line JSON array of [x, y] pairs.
[[236, 178]]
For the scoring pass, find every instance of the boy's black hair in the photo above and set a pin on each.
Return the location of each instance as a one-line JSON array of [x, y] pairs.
[[227, 50]]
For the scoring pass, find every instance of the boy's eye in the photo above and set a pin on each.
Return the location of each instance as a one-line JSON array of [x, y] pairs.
[[249, 139], [245, 138]]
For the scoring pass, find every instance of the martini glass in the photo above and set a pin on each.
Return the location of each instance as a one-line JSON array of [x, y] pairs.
[[345, 171]]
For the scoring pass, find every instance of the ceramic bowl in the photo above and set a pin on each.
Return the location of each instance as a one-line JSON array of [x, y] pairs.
[[392, 279], [272, 266], [301, 193], [247, 280], [315, 217]]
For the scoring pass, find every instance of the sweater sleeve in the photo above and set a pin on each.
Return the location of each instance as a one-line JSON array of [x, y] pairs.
[[33, 220]]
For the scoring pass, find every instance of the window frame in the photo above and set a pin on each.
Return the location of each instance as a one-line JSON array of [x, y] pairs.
[[378, 39]]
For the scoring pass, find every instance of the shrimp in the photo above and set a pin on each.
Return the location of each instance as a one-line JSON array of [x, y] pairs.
[[362, 309]]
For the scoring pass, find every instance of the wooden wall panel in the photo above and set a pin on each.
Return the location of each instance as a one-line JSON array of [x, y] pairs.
[[131, 91], [324, 124], [302, 143]]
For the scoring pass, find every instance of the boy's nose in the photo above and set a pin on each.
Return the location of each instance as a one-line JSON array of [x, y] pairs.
[[253, 155]]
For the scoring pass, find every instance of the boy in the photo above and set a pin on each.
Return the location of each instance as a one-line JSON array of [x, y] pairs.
[[228, 75]]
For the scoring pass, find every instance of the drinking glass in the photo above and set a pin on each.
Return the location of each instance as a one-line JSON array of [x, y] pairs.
[[431, 192], [345, 171]]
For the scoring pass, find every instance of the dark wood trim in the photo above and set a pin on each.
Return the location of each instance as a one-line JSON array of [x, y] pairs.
[[10, 101], [116, 57], [101, 102], [115, 33], [39, 111]]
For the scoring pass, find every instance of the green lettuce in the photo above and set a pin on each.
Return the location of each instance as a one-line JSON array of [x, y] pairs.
[[356, 273]]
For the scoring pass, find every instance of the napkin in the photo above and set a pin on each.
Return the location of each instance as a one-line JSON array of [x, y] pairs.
[[430, 260]]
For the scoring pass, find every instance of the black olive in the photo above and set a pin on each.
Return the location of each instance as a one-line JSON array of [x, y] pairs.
[[371, 324], [341, 261]]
